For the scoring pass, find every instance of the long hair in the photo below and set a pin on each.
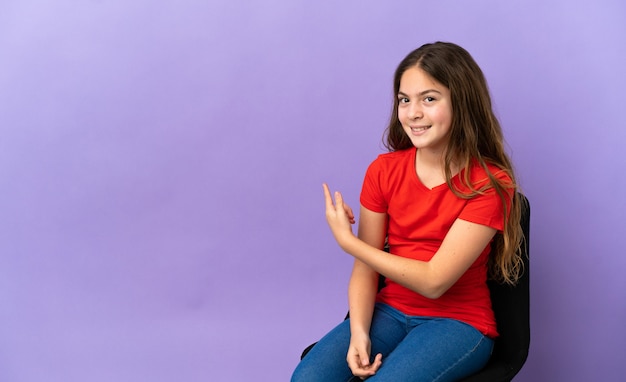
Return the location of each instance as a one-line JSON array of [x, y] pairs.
[[475, 137]]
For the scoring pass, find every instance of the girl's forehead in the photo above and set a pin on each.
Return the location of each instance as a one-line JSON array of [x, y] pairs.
[[416, 79]]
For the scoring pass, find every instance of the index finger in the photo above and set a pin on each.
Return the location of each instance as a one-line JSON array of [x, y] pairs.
[[327, 197]]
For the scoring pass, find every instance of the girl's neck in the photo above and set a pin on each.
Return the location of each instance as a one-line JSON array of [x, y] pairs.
[[429, 159], [430, 167]]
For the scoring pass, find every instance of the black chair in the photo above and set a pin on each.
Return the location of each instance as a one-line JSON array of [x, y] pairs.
[[511, 305]]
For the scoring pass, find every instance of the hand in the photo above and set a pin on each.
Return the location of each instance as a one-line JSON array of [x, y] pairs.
[[338, 215], [359, 357]]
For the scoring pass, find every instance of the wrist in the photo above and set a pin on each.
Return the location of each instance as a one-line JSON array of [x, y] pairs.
[[346, 241], [359, 334]]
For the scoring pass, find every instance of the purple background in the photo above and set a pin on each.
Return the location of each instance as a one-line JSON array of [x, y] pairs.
[[161, 213]]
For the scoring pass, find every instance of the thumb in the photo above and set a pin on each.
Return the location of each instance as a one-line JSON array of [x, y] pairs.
[[364, 359]]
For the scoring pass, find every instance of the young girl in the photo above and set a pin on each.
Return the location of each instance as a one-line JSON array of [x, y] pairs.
[[441, 199]]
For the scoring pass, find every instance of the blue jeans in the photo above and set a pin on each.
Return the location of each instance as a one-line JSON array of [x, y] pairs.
[[414, 349]]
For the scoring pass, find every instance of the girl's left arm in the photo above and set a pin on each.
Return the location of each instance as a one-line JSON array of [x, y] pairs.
[[461, 247]]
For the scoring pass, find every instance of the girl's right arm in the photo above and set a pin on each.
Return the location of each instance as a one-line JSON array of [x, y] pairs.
[[362, 294]]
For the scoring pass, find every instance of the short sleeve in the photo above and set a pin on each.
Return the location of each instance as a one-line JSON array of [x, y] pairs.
[[488, 209], [372, 196], [485, 210]]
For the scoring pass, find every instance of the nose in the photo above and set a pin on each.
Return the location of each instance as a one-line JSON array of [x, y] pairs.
[[415, 111]]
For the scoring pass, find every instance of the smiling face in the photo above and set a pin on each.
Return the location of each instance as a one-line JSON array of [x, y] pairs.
[[424, 110]]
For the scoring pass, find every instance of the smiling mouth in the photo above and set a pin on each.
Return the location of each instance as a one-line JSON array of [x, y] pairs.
[[418, 129]]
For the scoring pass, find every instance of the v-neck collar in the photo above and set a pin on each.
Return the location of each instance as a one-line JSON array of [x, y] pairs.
[[438, 188]]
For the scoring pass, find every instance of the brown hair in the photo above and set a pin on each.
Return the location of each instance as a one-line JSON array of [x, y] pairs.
[[475, 137]]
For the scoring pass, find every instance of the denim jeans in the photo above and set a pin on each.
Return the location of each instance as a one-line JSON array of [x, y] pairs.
[[414, 349]]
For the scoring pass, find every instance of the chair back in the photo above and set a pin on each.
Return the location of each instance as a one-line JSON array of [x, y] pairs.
[[511, 306]]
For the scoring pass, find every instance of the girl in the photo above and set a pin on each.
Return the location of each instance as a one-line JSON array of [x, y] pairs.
[[441, 199]]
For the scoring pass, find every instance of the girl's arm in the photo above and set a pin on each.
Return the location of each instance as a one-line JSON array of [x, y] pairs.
[[361, 295], [461, 247], [364, 280]]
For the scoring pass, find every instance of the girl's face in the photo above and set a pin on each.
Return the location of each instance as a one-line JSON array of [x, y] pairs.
[[424, 110]]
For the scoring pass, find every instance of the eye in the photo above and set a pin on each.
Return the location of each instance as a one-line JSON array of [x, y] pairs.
[[403, 100], [429, 99]]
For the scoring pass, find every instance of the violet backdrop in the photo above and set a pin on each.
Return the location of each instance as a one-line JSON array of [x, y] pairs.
[[161, 165]]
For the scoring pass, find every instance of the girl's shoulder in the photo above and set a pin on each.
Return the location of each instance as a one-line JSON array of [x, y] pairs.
[[497, 172], [393, 157], [479, 176], [391, 167], [478, 169]]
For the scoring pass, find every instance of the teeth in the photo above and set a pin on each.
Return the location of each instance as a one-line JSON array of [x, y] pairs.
[[416, 129]]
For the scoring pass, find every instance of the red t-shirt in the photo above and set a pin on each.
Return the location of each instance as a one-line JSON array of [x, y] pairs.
[[419, 219]]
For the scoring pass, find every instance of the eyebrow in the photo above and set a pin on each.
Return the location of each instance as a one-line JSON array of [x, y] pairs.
[[421, 93]]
